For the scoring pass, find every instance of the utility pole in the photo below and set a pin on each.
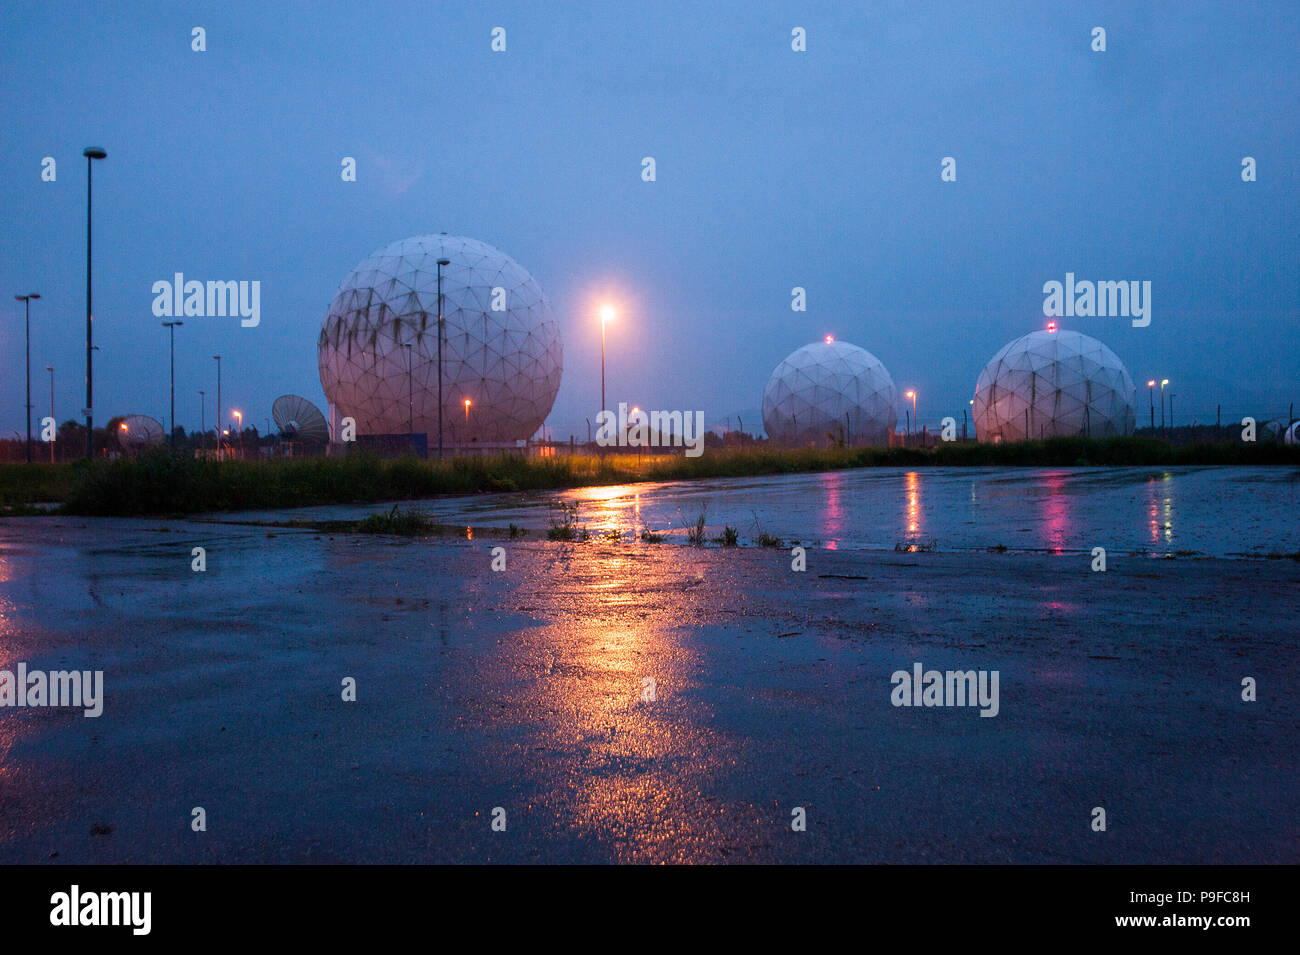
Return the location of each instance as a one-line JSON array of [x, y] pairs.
[[441, 263], [53, 423], [171, 328], [27, 303], [91, 153], [218, 358]]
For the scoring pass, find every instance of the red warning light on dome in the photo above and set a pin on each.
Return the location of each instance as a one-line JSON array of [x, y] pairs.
[[1051, 326], [829, 339]]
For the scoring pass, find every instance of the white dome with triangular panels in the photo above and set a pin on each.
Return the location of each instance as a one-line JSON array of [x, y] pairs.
[[830, 392], [1054, 384], [500, 350]]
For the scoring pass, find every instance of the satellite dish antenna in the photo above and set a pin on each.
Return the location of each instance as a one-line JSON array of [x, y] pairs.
[[300, 420], [138, 431]]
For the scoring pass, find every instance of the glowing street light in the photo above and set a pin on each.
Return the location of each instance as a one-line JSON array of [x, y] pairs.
[[606, 315], [1163, 382], [467, 404], [912, 395], [1151, 400]]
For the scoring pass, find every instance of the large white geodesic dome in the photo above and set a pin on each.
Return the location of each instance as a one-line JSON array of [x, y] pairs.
[[501, 346], [830, 392], [1054, 384]]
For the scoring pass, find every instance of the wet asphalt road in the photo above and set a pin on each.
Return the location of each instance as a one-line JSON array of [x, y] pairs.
[[522, 689]]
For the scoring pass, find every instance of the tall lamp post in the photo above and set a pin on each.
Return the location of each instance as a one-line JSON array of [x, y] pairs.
[[1163, 382], [410, 398], [912, 395], [91, 153], [53, 423], [441, 263], [1151, 396], [27, 308], [218, 358], [606, 315], [171, 329], [1172, 396]]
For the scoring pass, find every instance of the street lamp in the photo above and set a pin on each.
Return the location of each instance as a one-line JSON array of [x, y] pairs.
[[219, 430], [91, 153], [27, 308], [410, 398], [606, 315], [53, 423], [1163, 382], [239, 430], [441, 263], [171, 330], [1151, 400], [467, 404], [912, 395], [1172, 396]]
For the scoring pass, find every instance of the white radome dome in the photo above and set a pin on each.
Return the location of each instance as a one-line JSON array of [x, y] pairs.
[[829, 392], [507, 362], [1051, 384]]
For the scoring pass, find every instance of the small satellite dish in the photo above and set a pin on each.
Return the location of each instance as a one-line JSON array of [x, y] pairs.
[[300, 420], [138, 431]]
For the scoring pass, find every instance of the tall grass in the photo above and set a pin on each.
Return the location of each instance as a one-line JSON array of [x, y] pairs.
[[172, 484], [35, 483]]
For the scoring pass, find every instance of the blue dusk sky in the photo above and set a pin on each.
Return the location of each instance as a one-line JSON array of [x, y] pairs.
[[775, 169]]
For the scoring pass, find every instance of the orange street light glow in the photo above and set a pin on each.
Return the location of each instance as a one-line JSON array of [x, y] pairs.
[[607, 313], [1151, 383]]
